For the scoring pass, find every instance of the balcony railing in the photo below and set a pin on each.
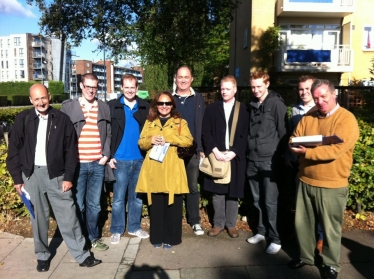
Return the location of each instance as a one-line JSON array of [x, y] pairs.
[[38, 55], [313, 8], [338, 58], [37, 44], [38, 76], [39, 66]]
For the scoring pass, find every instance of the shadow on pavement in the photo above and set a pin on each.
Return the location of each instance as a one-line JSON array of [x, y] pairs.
[[146, 272]]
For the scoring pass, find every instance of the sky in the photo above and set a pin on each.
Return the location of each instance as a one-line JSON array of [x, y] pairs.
[[17, 17]]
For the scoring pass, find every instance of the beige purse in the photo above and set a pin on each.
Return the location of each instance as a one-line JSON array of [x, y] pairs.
[[221, 171]]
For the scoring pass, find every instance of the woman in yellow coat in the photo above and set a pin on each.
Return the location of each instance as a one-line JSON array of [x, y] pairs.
[[164, 182]]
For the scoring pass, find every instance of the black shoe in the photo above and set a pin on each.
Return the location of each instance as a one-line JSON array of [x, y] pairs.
[[330, 273], [42, 266], [90, 262], [296, 263]]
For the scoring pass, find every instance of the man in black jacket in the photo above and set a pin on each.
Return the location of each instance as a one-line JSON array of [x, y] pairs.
[[191, 105], [41, 159], [266, 142], [128, 115]]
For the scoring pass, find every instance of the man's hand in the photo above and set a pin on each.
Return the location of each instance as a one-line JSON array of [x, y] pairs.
[[112, 163], [219, 155], [66, 186], [229, 155], [19, 188], [103, 160], [202, 155], [298, 150]]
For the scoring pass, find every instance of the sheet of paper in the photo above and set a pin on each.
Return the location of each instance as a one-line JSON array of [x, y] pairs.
[[158, 152]]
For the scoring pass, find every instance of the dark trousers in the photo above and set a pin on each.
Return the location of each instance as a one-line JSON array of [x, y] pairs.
[[193, 198], [166, 220], [261, 177]]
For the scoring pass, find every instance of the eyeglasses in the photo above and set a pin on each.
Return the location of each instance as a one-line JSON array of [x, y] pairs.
[[165, 103], [90, 87]]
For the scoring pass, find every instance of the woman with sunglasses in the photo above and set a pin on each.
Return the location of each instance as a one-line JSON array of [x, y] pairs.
[[164, 182]]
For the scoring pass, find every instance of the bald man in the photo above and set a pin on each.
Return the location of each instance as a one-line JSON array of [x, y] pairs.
[[42, 157]]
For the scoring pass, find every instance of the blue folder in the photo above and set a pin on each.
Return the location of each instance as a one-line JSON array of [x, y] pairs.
[[28, 204]]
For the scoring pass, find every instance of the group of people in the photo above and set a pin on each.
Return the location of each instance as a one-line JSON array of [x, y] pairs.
[[50, 151]]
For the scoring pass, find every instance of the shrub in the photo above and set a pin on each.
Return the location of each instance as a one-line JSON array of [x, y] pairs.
[[10, 202], [59, 98], [361, 185], [3, 101], [20, 100]]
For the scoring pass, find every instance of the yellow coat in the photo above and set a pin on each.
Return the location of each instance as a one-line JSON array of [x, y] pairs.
[[170, 175]]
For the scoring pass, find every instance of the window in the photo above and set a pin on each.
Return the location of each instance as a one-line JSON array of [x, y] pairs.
[[21, 63], [2, 53], [1, 43], [20, 51], [15, 62], [8, 42], [17, 41], [87, 64], [6, 64], [15, 72], [15, 52], [22, 73], [2, 64], [6, 53], [368, 38]]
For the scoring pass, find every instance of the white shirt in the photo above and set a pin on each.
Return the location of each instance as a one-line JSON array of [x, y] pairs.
[[40, 154], [227, 108]]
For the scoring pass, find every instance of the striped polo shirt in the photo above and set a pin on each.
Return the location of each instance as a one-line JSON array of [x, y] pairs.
[[89, 144]]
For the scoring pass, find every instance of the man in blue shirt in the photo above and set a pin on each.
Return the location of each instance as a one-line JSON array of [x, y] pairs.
[[128, 115]]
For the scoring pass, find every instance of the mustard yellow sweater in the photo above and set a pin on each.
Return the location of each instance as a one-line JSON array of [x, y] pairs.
[[328, 165]]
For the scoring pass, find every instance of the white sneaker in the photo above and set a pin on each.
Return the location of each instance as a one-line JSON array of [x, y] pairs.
[[197, 229], [140, 233], [273, 248], [256, 239], [115, 238]]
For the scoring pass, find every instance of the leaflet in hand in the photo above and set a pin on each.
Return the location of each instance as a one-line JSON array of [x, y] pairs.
[[315, 140], [158, 152]]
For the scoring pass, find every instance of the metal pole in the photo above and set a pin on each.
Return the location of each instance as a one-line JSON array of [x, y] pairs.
[[70, 76], [105, 77]]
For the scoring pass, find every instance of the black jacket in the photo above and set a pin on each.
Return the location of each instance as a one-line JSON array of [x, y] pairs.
[[118, 120], [214, 135], [61, 145], [267, 136]]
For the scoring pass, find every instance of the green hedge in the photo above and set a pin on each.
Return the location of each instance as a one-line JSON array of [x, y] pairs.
[[56, 87], [20, 100], [59, 98], [3, 101]]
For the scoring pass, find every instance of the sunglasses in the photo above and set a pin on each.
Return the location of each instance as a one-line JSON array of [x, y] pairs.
[[165, 103]]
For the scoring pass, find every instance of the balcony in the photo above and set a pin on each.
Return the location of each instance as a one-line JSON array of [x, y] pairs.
[[39, 66], [338, 59], [73, 80], [315, 8], [117, 79], [36, 54], [37, 44], [39, 77]]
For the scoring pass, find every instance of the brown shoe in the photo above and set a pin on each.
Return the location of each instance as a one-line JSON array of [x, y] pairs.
[[320, 245], [214, 231], [233, 233]]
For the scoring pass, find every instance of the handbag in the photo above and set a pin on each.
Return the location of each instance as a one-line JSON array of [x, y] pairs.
[[184, 152], [221, 171]]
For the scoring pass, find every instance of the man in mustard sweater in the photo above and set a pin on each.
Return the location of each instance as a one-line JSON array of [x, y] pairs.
[[324, 171]]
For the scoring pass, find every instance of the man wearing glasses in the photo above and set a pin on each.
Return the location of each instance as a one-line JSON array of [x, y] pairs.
[[128, 114], [91, 119]]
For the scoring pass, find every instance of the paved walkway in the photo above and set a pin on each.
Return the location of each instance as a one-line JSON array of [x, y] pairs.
[[197, 257]]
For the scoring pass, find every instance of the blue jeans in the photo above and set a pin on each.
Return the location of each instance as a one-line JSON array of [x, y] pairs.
[[261, 177], [89, 185], [126, 175]]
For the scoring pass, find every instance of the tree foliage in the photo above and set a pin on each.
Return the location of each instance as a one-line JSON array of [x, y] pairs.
[[167, 32], [270, 42]]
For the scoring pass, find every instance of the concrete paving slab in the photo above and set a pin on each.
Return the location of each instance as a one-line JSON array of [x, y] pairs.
[[6, 235], [357, 271], [113, 255], [7, 246], [357, 247], [155, 274], [216, 273], [205, 251], [73, 270]]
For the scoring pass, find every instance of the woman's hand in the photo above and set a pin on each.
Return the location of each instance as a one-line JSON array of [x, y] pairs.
[[219, 155], [158, 140], [229, 155]]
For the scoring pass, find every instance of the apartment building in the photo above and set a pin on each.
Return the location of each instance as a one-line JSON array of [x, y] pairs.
[[332, 39], [109, 76], [26, 57]]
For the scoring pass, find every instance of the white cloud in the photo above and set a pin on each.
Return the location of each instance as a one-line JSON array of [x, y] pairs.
[[96, 42], [13, 7]]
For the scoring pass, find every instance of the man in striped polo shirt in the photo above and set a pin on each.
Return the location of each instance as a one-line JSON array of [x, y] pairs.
[[91, 119]]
